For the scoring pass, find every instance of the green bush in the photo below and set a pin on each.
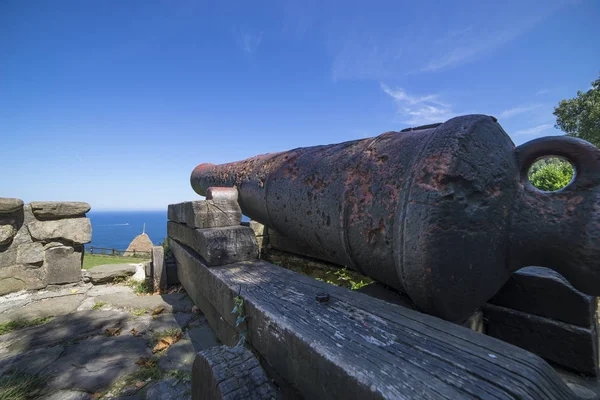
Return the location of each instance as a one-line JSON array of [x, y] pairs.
[[550, 174]]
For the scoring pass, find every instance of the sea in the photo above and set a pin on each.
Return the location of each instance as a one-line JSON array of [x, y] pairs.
[[116, 229]]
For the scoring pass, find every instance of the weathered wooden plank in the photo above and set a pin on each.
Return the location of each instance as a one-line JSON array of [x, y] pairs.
[[358, 347], [544, 292], [189, 277], [568, 345], [217, 246], [230, 373], [206, 213]]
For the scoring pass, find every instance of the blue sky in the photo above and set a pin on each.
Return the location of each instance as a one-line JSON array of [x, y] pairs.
[[114, 103]]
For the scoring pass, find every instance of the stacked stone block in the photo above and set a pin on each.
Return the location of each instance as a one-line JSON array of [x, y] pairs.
[[41, 243]]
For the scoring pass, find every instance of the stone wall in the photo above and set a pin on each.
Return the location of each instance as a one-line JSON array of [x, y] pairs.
[[41, 243]]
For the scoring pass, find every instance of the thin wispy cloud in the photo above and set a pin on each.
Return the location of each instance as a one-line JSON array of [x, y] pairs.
[[250, 42], [383, 52], [543, 91], [419, 110], [511, 112], [468, 46], [535, 130]]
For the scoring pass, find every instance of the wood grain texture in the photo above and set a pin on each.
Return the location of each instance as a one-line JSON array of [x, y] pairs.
[[230, 373], [570, 346], [544, 292], [358, 347], [217, 246]]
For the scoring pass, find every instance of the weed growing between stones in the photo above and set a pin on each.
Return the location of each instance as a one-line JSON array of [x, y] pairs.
[[238, 309], [180, 375], [140, 287], [138, 312], [10, 326], [148, 371], [99, 305], [21, 386]]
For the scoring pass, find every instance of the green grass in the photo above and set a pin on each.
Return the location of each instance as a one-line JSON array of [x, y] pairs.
[[91, 260], [21, 386], [10, 326], [319, 270], [99, 305], [138, 312], [140, 287]]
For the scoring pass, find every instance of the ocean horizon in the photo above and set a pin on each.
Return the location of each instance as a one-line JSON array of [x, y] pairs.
[[115, 229]]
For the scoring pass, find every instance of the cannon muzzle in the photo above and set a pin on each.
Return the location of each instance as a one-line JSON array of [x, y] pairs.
[[444, 213]]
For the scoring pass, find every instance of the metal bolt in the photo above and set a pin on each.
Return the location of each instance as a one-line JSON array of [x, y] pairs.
[[322, 297]]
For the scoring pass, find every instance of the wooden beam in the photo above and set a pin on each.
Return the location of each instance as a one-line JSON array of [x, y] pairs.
[[358, 347]]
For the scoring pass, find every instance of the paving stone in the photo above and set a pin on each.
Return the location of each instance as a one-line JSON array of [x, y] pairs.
[[44, 308], [94, 364], [203, 337], [68, 395], [183, 319], [180, 357], [31, 362], [107, 273], [166, 321], [140, 324], [169, 389], [102, 290], [176, 302], [59, 291], [62, 329]]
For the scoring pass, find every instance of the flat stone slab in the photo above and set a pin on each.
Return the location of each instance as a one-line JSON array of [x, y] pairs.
[[59, 209], [10, 205], [94, 364], [170, 389], [177, 302], [79, 356], [68, 395], [107, 273], [31, 362], [50, 307], [179, 357], [76, 230], [65, 328]]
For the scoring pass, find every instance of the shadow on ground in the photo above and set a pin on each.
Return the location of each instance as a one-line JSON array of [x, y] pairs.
[[100, 343]]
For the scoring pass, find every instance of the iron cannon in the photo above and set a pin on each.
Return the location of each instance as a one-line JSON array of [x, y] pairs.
[[444, 213]]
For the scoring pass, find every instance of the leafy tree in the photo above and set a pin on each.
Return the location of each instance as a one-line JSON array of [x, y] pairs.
[[550, 174], [580, 116]]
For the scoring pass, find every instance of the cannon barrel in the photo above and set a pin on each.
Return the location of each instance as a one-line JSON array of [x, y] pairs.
[[444, 213]]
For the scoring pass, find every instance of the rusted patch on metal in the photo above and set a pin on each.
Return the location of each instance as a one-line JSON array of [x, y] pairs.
[[444, 212]]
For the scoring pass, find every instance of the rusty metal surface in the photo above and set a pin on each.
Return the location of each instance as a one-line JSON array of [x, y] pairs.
[[444, 214]]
